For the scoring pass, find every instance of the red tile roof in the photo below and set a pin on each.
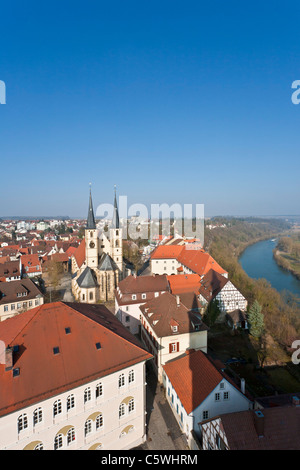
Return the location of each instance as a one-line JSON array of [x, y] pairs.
[[280, 429], [198, 261], [193, 376], [180, 283], [30, 263], [79, 254], [43, 374], [167, 251]]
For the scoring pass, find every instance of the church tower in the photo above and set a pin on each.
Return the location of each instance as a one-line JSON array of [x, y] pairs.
[[116, 237], [91, 237]]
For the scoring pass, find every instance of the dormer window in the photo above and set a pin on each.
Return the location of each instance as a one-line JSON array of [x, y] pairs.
[[174, 328]]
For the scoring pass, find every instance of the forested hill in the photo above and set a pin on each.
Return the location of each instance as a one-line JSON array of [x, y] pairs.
[[226, 242]]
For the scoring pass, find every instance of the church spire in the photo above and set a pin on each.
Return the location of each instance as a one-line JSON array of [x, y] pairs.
[[115, 220], [91, 224]]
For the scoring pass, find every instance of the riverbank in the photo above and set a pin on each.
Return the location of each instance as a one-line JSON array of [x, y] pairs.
[[287, 254], [282, 319]]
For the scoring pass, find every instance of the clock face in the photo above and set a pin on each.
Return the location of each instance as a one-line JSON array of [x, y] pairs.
[[92, 245]]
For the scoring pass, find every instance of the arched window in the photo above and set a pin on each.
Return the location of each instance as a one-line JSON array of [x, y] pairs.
[[99, 421], [117, 243], [70, 436], [131, 376], [37, 416], [39, 446], [87, 394], [70, 402], [88, 427], [122, 410], [58, 441], [57, 407], [99, 390], [22, 422], [91, 295], [121, 380], [131, 405]]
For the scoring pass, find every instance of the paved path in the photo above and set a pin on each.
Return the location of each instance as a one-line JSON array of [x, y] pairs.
[[163, 432]]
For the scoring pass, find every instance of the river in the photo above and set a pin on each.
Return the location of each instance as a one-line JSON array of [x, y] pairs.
[[258, 262]]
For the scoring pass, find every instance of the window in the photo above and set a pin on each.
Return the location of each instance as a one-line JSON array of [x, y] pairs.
[[68, 330], [56, 350], [156, 294], [121, 410], [91, 296], [133, 297], [131, 405], [127, 319], [57, 407], [22, 422], [87, 395], [226, 395], [131, 376], [12, 307], [99, 421], [98, 345], [58, 441], [16, 372], [217, 397], [88, 427], [70, 402], [70, 436], [99, 390], [37, 416], [205, 414], [121, 380], [173, 347], [222, 385], [39, 446], [19, 305], [5, 308], [144, 296]]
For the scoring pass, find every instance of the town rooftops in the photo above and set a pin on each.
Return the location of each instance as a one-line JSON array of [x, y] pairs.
[[162, 311], [10, 269], [268, 429], [137, 284], [180, 283], [194, 376], [167, 252], [55, 351], [211, 284], [13, 291], [198, 261]]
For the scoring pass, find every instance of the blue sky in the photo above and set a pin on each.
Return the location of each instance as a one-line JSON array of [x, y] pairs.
[[172, 101]]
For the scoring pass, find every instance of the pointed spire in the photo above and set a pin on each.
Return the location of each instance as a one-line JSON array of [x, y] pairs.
[[115, 220], [91, 224]]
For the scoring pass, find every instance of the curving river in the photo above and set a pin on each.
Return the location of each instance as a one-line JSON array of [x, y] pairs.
[[258, 262]]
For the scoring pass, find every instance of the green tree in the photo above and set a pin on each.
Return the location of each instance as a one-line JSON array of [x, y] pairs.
[[212, 312], [256, 320]]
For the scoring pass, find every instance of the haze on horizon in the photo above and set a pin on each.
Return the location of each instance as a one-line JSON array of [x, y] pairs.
[[173, 102]]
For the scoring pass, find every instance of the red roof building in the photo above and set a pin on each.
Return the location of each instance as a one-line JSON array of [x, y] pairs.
[[63, 350]]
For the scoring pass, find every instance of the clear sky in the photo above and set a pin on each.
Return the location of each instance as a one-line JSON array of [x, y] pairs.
[[172, 101]]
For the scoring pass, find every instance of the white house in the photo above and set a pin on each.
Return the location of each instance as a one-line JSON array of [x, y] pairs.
[[72, 378], [169, 328], [132, 292], [216, 286], [197, 390]]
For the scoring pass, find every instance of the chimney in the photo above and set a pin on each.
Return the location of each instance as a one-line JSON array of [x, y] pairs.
[[177, 300], [259, 422], [243, 388], [8, 358]]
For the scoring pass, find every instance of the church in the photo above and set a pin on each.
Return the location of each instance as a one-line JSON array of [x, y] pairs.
[[97, 264]]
